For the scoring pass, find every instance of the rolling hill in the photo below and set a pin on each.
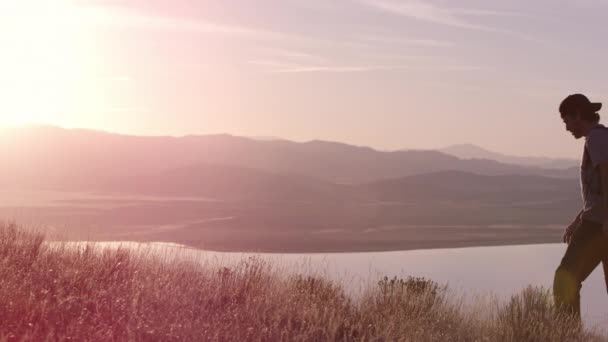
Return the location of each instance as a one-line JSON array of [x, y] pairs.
[[55, 158]]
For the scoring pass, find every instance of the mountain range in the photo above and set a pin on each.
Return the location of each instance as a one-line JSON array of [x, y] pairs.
[[237, 193], [470, 151], [75, 159]]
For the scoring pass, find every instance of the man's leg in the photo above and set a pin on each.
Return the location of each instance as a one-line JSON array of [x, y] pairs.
[[605, 263], [586, 250]]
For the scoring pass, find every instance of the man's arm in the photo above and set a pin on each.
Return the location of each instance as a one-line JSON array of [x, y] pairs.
[[572, 228], [578, 216], [604, 181]]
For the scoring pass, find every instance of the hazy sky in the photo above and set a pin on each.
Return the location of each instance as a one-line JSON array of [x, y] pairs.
[[383, 73]]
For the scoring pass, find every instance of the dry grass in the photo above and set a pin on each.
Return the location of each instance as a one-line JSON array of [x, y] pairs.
[[66, 293]]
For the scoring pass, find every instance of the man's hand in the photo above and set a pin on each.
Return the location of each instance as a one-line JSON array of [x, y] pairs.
[[572, 228]]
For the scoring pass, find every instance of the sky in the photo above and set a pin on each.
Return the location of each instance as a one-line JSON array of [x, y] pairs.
[[381, 73]]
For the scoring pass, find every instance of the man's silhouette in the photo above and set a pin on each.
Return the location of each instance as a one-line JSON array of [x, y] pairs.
[[587, 235]]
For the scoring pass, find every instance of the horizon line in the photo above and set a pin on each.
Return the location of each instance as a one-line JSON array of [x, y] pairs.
[[277, 138]]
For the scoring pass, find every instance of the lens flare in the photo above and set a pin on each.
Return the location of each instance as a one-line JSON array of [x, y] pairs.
[[45, 61]]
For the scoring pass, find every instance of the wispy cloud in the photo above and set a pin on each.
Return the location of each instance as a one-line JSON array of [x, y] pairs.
[[117, 17], [334, 69], [407, 41], [400, 57], [489, 12], [280, 67], [423, 11], [432, 13], [272, 63], [292, 55], [109, 17]]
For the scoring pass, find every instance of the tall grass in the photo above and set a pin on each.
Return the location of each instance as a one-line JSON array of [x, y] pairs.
[[56, 292]]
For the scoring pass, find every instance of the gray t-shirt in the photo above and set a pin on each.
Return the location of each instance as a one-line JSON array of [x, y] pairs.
[[596, 152]]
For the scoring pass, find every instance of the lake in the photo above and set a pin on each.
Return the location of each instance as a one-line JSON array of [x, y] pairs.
[[472, 271]]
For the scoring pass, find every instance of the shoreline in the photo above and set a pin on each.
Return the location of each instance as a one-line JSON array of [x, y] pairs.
[[431, 246]]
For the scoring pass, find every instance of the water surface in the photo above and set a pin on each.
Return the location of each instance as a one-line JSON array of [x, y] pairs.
[[473, 271]]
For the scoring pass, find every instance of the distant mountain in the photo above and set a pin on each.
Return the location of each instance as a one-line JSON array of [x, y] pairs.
[[276, 195], [470, 151], [228, 182], [258, 201], [462, 186], [50, 157]]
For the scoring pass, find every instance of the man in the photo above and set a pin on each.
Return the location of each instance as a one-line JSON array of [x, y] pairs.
[[587, 236]]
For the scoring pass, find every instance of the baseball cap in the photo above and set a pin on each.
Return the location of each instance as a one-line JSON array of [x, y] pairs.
[[575, 102]]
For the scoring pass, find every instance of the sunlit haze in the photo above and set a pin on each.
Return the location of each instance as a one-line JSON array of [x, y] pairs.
[[380, 73]]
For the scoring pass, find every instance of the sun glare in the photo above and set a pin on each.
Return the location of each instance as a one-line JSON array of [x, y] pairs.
[[43, 61]]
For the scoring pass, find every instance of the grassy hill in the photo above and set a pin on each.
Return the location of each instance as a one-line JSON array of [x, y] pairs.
[[58, 292]]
